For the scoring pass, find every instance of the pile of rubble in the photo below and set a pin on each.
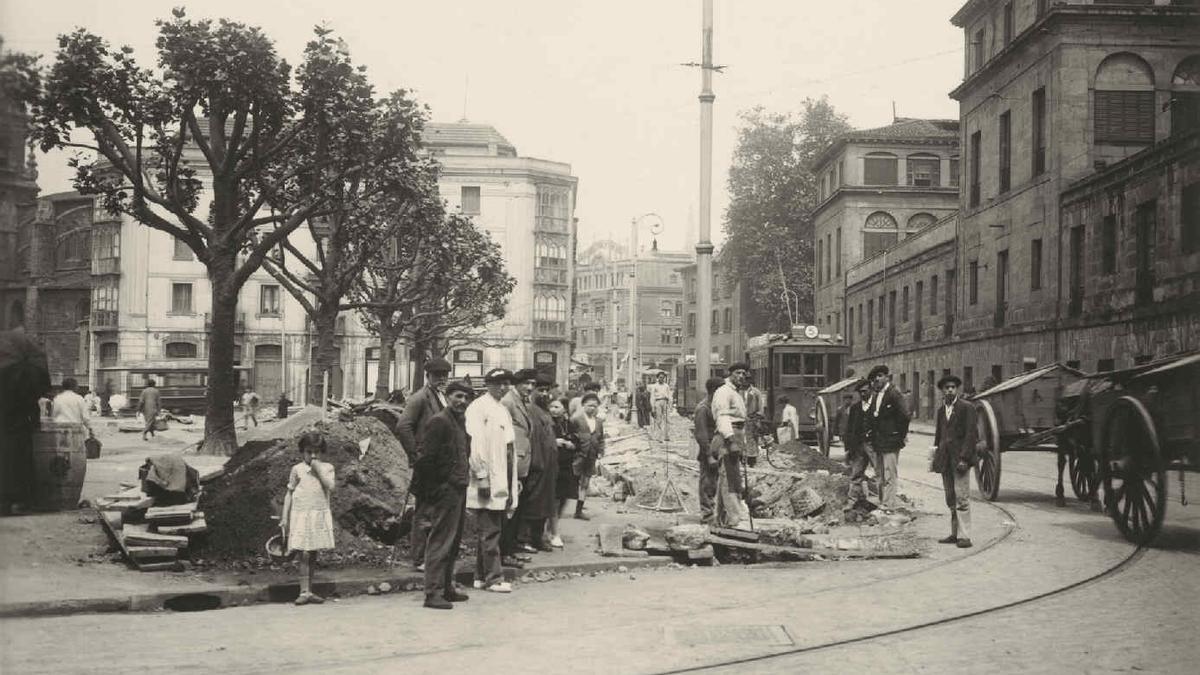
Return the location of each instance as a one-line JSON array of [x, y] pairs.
[[372, 474]]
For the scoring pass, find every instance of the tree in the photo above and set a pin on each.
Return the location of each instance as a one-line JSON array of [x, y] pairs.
[[455, 284], [768, 224], [219, 147]]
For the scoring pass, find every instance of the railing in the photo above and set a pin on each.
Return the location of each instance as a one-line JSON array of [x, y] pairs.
[[544, 328], [106, 265], [103, 319]]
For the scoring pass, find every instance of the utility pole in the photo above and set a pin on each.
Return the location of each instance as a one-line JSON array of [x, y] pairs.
[[631, 370], [612, 279], [704, 247]]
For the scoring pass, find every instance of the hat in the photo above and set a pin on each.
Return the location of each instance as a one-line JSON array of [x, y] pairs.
[[739, 366], [437, 366], [877, 370], [498, 376], [544, 380], [459, 386], [524, 375], [949, 379], [862, 384]]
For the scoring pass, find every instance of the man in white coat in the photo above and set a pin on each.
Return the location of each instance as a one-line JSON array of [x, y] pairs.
[[492, 492]]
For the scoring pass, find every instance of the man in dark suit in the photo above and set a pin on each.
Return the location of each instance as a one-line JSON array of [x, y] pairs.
[[440, 479], [428, 401], [887, 432], [704, 426], [953, 456], [858, 453], [518, 401]]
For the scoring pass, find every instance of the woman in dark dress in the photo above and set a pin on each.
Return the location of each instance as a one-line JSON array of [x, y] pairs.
[[643, 405], [567, 485]]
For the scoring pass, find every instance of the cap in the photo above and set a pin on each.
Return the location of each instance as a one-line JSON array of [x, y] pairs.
[[862, 384], [524, 375], [459, 386], [877, 370], [544, 380], [949, 379], [498, 376], [739, 366], [437, 366]]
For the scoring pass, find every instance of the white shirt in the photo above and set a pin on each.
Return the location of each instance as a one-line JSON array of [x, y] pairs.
[[591, 422], [791, 417], [660, 390], [728, 407], [879, 397], [69, 408], [949, 408]]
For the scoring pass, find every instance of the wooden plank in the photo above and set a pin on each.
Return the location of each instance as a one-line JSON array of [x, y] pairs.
[[165, 566], [733, 533], [212, 475], [149, 552], [197, 526], [171, 514], [139, 535]]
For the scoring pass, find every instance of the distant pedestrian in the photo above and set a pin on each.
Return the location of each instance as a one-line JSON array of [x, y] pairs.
[[307, 521], [492, 490], [421, 406], [566, 487], [440, 479], [859, 454], [149, 404], [249, 407], [589, 430], [660, 402], [888, 431], [642, 404], [729, 442], [577, 402], [68, 407], [954, 455], [105, 406], [704, 426], [789, 417]]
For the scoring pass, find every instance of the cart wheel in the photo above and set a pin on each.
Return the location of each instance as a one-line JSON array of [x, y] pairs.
[[1082, 466], [987, 447], [1135, 481], [824, 432]]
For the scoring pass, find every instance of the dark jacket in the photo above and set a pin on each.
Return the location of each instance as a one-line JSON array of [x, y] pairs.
[[955, 439], [888, 426], [538, 497], [445, 455], [856, 430], [704, 426], [522, 422], [420, 407], [591, 445]]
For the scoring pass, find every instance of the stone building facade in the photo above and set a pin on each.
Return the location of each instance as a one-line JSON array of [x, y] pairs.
[[603, 275], [528, 207], [1074, 241], [731, 317], [877, 187]]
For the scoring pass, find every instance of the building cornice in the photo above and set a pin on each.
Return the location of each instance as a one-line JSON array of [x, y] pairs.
[[835, 148], [913, 190], [1164, 152]]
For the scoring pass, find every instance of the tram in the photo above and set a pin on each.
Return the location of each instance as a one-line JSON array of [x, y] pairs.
[[687, 390], [797, 365]]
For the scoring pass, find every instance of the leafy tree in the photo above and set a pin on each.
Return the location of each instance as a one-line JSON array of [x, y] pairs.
[[769, 225], [219, 146]]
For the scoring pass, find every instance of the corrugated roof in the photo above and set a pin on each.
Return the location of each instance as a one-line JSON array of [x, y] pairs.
[[1023, 378], [463, 133]]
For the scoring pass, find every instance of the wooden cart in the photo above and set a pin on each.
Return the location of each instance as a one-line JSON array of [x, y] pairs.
[[828, 402], [1021, 413]]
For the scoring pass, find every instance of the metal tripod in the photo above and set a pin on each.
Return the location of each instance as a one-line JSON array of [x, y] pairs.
[[668, 486]]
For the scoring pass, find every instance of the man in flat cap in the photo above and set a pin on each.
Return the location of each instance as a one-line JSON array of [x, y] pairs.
[[440, 479], [538, 501], [953, 457], [887, 432], [428, 401], [858, 451], [492, 490], [518, 401], [728, 446]]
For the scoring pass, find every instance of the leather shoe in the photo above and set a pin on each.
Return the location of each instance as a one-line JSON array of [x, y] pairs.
[[526, 548], [509, 561], [438, 603], [952, 539], [964, 543], [455, 596], [522, 557]]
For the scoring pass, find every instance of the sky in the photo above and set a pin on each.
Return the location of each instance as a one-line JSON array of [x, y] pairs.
[[596, 84]]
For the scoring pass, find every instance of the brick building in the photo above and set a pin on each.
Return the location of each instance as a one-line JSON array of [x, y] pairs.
[[877, 186], [602, 279], [731, 318], [1075, 239]]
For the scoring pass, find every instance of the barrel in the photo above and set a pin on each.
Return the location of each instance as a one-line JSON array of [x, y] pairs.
[[59, 466]]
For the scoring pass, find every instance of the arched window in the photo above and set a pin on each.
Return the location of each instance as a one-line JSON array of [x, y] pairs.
[[924, 170], [879, 168], [921, 221], [879, 232], [180, 350], [1124, 101], [1185, 96]]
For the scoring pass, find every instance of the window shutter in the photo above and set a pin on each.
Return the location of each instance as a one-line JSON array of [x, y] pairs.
[[1124, 117]]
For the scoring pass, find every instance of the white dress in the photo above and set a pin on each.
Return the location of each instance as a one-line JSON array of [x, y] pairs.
[[310, 524]]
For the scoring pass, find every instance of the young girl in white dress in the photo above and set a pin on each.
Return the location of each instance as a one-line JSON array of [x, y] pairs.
[[307, 522]]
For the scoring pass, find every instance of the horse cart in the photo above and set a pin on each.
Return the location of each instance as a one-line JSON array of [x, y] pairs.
[[1123, 429], [826, 405]]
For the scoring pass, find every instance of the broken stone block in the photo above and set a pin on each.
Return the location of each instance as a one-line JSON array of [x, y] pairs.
[[385, 587], [687, 537], [703, 553], [634, 538], [611, 540]]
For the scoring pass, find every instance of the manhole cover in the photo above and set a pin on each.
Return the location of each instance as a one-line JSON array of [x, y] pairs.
[[758, 635]]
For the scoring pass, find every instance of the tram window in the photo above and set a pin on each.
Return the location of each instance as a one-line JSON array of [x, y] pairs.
[[814, 370], [790, 364], [834, 370]]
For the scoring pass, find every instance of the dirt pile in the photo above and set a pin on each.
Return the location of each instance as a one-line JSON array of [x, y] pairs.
[[367, 500]]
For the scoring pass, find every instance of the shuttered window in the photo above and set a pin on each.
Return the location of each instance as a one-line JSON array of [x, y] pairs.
[[1125, 117], [880, 170]]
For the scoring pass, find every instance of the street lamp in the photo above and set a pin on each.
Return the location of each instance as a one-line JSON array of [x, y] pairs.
[[655, 229]]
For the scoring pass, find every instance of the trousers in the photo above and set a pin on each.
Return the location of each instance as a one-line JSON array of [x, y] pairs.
[[864, 458], [709, 475], [662, 408], [958, 498], [887, 472], [487, 545], [731, 511], [446, 513], [418, 536]]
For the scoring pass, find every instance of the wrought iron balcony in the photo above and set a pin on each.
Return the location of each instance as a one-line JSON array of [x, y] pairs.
[[104, 319]]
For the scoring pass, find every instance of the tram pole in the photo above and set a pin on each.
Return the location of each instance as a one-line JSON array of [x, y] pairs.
[[704, 247]]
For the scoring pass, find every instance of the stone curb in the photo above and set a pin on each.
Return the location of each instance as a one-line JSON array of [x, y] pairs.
[[220, 597]]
